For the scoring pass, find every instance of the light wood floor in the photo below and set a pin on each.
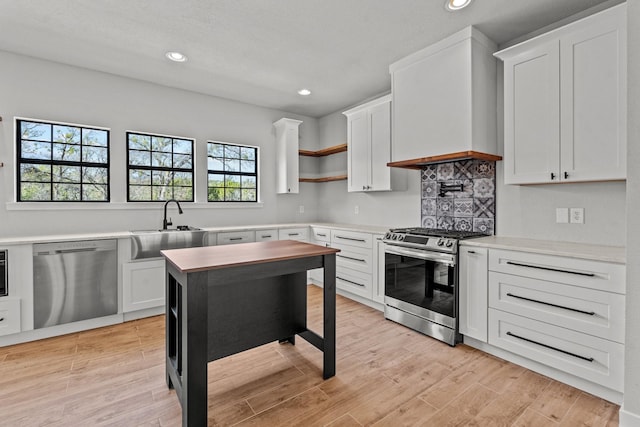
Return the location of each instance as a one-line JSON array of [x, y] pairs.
[[387, 375]]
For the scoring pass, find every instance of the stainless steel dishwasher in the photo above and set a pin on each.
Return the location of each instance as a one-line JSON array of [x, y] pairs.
[[74, 281]]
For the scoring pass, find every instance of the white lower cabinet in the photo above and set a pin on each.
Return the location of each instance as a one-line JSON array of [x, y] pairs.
[[300, 233], [354, 281], [566, 313], [585, 356], [143, 285], [232, 237], [266, 235], [9, 315], [322, 237], [473, 288], [379, 271]]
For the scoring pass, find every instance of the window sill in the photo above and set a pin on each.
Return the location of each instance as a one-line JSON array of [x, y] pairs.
[[77, 206]]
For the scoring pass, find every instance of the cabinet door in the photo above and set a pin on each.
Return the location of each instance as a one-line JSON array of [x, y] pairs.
[[9, 315], [379, 271], [143, 285], [287, 156], [473, 289], [380, 150], [531, 116], [358, 151], [593, 99]]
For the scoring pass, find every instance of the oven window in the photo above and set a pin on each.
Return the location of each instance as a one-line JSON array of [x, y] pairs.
[[427, 284]]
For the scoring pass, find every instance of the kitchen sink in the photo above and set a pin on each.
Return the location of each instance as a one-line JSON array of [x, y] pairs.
[[149, 243]]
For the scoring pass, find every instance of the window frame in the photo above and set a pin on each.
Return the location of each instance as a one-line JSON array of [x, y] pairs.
[[255, 174], [20, 160], [152, 168]]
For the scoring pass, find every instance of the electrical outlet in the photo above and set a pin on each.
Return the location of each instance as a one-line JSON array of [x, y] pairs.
[[576, 215], [356, 210], [301, 209], [562, 215]]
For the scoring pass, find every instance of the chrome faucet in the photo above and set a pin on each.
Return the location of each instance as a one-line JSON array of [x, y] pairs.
[[166, 223]]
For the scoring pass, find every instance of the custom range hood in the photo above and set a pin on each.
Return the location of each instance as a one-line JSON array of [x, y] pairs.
[[444, 102]]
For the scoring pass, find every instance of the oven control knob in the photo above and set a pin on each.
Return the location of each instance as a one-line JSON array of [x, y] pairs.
[[394, 237], [401, 237], [449, 243], [440, 242], [387, 236]]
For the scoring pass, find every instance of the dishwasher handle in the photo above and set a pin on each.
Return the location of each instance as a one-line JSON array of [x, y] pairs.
[[72, 251]]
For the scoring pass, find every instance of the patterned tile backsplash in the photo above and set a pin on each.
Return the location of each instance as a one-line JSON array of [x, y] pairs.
[[470, 207]]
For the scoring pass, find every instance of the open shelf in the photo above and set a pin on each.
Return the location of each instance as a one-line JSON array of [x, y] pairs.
[[325, 151], [324, 179], [462, 155]]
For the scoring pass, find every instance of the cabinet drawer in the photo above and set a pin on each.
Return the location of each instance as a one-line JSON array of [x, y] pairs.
[[585, 356], [584, 310], [354, 281], [9, 316], [352, 238], [236, 237], [354, 258], [266, 235], [579, 272], [321, 234], [301, 234]]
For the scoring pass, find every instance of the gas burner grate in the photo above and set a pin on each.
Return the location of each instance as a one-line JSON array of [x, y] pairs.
[[436, 232]]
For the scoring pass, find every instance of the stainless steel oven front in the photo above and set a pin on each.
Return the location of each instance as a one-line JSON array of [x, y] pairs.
[[421, 289]]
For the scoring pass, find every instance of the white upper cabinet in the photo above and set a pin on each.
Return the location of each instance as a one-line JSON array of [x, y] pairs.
[[565, 103], [287, 172], [369, 147], [444, 98]]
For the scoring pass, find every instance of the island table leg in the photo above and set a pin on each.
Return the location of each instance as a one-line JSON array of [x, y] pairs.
[[329, 333]]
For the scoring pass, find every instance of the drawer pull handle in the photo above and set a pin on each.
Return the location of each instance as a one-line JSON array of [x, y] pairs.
[[1, 319], [471, 252], [351, 258], [350, 281], [590, 313], [266, 236], [322, 235], [351, 238], [294, 234], [579, 273], [235, 238], [588, 359]]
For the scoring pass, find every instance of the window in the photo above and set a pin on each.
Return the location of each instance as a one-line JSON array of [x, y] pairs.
[[61, 162], [159, 168], [233, 172]]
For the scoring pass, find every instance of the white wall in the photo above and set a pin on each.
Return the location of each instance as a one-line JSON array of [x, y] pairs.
[[50, 91], [630, 413]]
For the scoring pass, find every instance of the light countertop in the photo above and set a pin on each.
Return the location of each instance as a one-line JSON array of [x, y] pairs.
[[613, 254]]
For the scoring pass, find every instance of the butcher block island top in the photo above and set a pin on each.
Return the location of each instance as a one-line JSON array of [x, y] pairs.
[[222, 300], [191, 260]]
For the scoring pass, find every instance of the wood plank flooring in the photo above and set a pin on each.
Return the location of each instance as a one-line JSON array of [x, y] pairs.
[[387, 375]]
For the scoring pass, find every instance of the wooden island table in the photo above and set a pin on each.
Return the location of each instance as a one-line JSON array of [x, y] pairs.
[[221, 300]]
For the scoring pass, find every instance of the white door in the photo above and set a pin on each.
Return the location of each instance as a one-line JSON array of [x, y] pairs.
[[358, 151], [380, 118], [593, 115], [531, 116]]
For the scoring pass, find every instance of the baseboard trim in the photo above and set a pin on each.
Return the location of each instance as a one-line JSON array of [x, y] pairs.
[[628, 419]]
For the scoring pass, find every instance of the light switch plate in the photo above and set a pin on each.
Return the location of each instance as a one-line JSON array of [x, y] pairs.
[[301, 209], [562, 215], [576, 215]]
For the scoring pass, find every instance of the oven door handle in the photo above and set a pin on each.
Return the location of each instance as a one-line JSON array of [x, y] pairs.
[[425, 255]]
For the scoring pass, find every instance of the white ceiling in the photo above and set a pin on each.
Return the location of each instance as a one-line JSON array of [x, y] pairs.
[[260, 51]]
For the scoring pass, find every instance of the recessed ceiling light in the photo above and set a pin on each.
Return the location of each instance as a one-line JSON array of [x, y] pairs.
[[176, 56], [453, 5], [304, 92]]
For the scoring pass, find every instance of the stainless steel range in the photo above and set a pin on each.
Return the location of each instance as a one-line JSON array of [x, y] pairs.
[[421, 280]]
